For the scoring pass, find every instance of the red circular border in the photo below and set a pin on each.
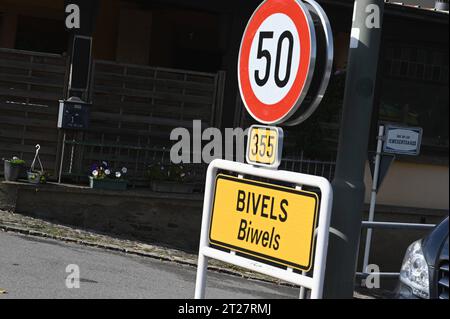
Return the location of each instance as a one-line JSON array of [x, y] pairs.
[[270, 113]]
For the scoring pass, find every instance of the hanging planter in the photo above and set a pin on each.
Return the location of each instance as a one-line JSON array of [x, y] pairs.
[[13, 168], [34, 175]]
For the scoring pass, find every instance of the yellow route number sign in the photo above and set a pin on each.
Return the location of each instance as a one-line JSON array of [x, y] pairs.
[[266, 221], [264, 145]]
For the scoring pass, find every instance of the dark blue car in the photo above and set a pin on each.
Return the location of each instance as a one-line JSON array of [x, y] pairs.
[[424, 272]]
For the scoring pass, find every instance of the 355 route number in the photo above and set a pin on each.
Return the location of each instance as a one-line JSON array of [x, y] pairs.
[[264, 145]]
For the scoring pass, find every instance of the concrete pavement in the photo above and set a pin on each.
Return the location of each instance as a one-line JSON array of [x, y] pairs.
[[32, 267]]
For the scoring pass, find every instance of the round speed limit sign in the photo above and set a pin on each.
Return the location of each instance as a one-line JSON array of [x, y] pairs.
[[277, 60]]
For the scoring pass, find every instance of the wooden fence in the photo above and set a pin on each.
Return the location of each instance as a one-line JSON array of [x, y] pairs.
[[134, 110], [30, 86]]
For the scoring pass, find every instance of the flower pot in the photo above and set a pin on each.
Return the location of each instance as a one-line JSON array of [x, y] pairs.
[[36, 178], [12, 171], [172, 187], [107, 183]]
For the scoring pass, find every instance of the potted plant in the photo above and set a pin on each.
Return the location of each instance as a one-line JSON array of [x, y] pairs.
[[102, 177], [170, 178], [13, 168], [37, 176]]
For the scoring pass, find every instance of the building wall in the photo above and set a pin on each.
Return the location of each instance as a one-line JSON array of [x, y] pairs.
[[12, 9], [413, 185], [41, 7], [106, 30], [135, 49]]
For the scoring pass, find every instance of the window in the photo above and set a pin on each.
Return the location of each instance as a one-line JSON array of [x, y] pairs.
[[414, 92], [41, 35]]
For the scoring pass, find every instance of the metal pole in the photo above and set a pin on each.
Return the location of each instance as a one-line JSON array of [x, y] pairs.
[[393, 225], [373, 197], [302, 294], [202, 264], [62, 158], [200, 281], [348, 184]]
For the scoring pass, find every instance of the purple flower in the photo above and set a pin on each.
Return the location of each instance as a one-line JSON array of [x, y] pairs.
[[94, 167]]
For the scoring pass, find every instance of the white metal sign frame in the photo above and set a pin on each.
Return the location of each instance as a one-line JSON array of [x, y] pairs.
[[315, 282]]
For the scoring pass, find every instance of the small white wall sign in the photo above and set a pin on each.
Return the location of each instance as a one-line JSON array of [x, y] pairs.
[[403, 140]]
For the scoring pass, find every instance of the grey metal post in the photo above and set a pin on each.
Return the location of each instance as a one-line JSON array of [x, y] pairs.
[[348, 184]]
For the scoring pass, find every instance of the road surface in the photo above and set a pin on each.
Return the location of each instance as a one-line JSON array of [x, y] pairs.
[[32, 267]]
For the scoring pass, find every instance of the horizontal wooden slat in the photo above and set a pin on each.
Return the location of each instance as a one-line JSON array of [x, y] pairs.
[[28, 121], [130, 79], [107, 100], [32, 94], [33, 66], [140, 119], [156, 95], [103, 64], [41, 137], [28, 108], [57, 83], [123, 132], [5, 52]]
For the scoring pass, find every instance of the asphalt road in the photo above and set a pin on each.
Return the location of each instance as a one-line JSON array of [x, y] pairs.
[[32, 267]]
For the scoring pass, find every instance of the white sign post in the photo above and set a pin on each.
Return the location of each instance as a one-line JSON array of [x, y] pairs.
[[395, 140], [373, 197]]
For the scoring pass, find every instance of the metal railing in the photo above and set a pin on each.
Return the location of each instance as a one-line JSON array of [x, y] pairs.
[[395, 225], [137, 159], [303, 165], [390, 225], [80, 155]]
